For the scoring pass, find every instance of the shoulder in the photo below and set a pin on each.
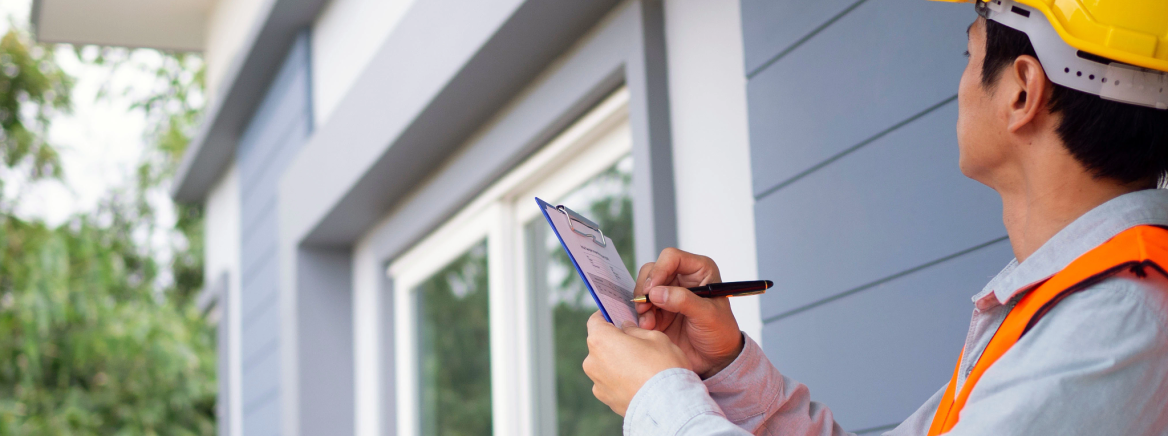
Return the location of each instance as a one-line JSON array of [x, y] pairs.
[[1109, 340], [1121, 319], [1124, 300]]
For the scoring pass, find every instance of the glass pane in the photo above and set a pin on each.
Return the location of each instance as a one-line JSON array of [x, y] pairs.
[[454, 348], [607, 200]]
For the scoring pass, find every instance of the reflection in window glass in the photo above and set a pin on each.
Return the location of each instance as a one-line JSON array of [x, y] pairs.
[[454, 348], [607, 200]]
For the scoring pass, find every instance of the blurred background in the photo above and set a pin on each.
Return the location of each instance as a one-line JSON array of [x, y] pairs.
[[316, 217], [99, 270]]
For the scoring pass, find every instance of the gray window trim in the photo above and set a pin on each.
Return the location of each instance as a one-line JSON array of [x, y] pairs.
[[413, 157], [349, 195]]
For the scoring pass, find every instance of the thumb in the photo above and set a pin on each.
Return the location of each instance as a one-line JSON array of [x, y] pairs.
[[680, 300]]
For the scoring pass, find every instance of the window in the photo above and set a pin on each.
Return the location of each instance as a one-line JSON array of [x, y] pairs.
[[489, 316], [562, 305], [454, 347]]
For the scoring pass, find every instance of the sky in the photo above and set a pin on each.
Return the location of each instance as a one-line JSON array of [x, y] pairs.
[[100, 142]]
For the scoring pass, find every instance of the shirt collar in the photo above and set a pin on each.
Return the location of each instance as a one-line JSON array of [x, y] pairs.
[[1147, 207]]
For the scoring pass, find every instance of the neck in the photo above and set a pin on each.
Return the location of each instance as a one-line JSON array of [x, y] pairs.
[[1047, 201]]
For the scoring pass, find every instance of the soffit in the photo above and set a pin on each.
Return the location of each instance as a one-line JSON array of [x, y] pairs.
[[170, 25]]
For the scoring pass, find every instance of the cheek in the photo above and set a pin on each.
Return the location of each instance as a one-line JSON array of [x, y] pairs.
[[966, 99]]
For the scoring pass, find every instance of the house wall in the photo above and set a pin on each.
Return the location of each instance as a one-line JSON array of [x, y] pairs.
[[345, 37], [711, 148], [278, 129], [229, 25], [874, 238], [221, 259]]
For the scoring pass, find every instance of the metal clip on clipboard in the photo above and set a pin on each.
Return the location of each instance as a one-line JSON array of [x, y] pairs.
[[573, 216]]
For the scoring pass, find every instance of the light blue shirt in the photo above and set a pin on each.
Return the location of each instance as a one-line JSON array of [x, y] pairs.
[[1097, 364]]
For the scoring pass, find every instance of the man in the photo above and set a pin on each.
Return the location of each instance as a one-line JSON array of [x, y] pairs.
[[1069, 125]]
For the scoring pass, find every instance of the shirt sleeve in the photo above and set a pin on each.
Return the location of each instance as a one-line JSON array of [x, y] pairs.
[[1093, 365], [748, 397]]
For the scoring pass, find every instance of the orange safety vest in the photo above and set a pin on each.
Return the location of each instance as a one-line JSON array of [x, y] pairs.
[[1135, 249]]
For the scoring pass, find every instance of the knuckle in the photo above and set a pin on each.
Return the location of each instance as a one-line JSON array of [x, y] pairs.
[[657, 336], [670, 252], [648, 266]]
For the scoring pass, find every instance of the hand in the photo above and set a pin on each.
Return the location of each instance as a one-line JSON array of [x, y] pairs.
[[620, 361], [704, 328]]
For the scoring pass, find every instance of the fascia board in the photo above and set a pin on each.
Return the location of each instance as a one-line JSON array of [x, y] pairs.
[[244, 85], [408, 99]]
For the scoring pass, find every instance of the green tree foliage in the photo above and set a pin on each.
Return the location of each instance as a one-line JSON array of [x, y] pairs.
[[454, 338], [31, 89], [92, 341], [609, 203]]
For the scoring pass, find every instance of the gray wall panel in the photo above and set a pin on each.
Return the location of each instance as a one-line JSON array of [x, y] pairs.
[[259, 388], [267, 176], [875, 357], [879, 65], [259, 416], [255, 267], [324, 338], [773, 26], [874, 238], [894, 204], [278, 110], [276, 132], [261, 332]]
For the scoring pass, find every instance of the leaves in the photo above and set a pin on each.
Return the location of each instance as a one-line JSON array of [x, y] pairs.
[[92, 341], [32, 88]]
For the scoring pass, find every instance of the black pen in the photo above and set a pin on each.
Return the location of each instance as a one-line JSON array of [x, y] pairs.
[[728, 289]]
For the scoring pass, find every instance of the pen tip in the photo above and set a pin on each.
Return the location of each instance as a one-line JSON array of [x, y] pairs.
[[640, 299]]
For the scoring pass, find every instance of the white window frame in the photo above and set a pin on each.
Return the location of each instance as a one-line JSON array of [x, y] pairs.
[[591, 145]]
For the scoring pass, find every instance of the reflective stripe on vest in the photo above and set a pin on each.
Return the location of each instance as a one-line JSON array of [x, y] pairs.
[[1136, 249]]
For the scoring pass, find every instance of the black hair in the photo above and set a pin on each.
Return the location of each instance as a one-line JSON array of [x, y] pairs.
[[1118, 141]]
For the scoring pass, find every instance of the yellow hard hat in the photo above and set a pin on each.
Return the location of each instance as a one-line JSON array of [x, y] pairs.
[[1115, 49]]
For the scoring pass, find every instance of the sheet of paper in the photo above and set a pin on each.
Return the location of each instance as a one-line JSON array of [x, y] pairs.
[[601, 267]]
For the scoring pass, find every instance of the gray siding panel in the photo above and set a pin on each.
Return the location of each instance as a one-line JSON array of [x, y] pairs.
[[874, 238], [772, 26], [260, 418], [877, 66], [895, 204], [888, 349], [277, 130]]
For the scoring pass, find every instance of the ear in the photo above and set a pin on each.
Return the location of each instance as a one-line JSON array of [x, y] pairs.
[[1028, 96]]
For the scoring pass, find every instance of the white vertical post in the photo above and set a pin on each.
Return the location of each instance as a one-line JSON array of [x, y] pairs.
[[707, 96]]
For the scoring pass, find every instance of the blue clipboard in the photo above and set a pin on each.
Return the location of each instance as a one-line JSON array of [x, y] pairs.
[[586, 229]]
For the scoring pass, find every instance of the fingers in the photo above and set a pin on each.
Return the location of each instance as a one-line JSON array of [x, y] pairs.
[[687, 269], [640, 333], [643, 274], [598, 325], [681, 300], [648, 319]]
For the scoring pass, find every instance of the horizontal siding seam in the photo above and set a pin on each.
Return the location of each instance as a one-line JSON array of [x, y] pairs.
[[290, 139], [260, 400], [267, 143], [253, 265], [266, 304], [265, 350], [880, 281], [803, 40], [852, 149]]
